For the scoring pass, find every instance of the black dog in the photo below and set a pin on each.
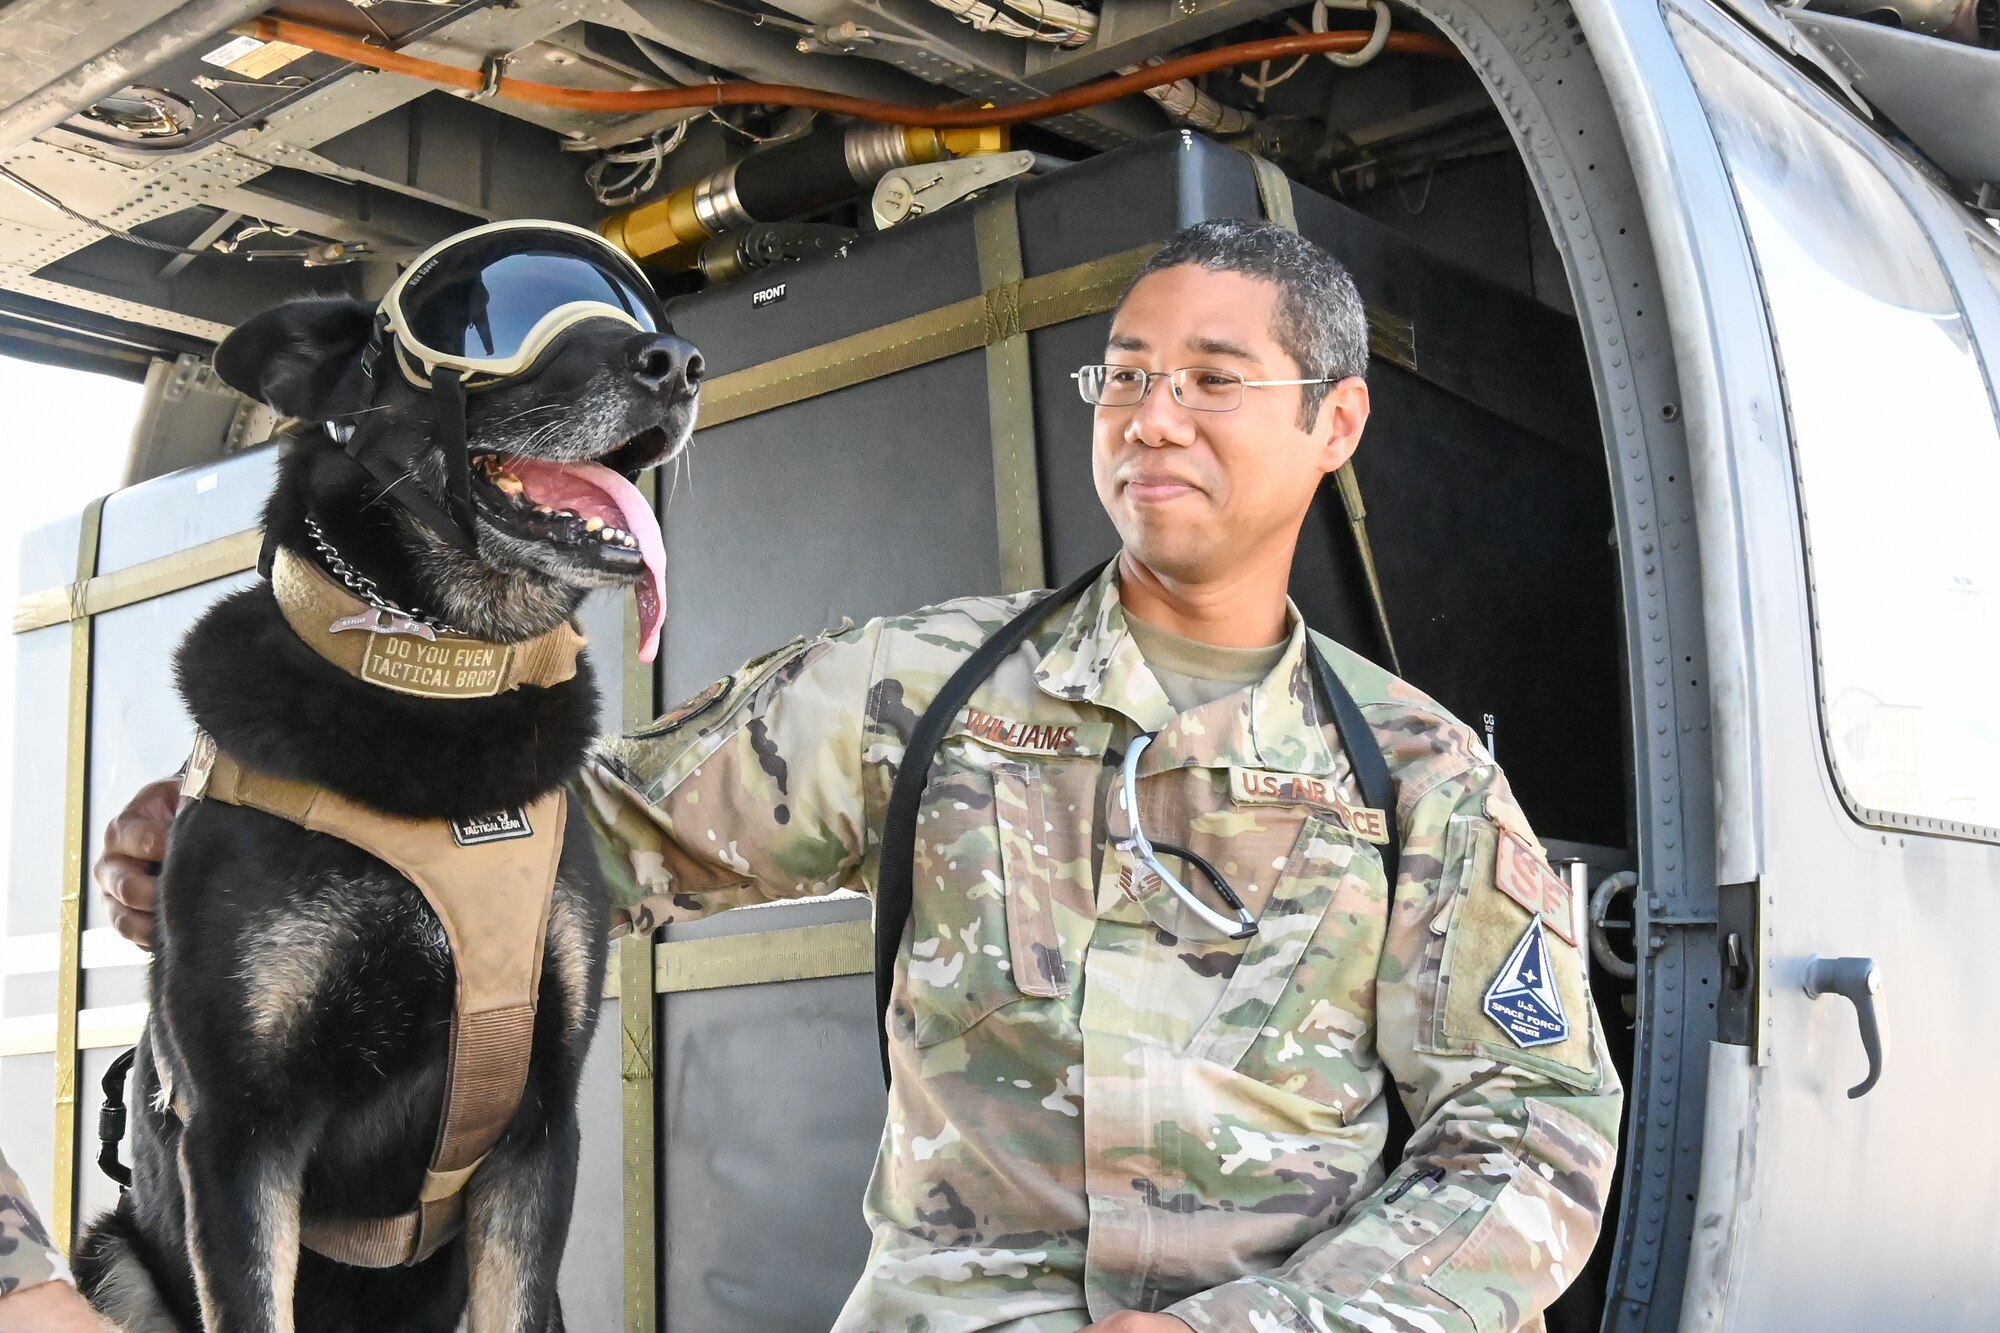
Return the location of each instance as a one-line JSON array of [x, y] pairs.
[[302, 991]]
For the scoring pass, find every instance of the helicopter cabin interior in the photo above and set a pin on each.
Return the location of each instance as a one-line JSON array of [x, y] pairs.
[[1529, 509]]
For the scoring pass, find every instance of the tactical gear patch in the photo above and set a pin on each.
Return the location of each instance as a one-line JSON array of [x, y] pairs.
[[1523, 876], [1523, 998], [500, 826]]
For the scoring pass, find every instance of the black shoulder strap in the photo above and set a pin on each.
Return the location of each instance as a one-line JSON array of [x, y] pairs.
[[1371, 774], [895, 877], [1371, 770]]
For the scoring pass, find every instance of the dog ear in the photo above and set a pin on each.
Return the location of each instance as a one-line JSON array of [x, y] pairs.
[[294, 357]]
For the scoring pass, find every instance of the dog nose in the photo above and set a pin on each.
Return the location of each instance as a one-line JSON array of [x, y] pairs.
[[664, 362]]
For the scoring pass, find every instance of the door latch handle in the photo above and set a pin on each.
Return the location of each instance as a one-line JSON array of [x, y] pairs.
[[1860, 981]]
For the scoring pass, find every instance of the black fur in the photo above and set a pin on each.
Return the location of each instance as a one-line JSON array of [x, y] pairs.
[[337, 1101]]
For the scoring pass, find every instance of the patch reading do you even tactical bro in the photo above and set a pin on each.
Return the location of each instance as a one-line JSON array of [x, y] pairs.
[[1523, 998]]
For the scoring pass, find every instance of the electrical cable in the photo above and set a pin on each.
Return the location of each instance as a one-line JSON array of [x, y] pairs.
[[164, 247], [892, 113]]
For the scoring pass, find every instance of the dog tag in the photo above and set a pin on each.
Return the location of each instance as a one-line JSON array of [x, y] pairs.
[[377, 621]]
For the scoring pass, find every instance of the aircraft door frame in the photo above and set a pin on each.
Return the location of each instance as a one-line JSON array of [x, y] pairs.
[[1810, 1202]]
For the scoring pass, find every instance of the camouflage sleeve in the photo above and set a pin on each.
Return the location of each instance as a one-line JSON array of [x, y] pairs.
[[27, 1258], [1485, 1021], [749, 791]]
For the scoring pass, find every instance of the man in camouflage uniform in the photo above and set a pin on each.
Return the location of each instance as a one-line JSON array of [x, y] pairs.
[[35, 1291], [1103, 1109], [1099, 1104]]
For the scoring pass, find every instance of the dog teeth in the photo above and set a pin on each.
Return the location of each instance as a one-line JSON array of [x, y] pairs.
[[592, 524], [507, 483]]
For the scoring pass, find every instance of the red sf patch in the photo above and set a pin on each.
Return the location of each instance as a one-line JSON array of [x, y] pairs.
[[1526, 878]]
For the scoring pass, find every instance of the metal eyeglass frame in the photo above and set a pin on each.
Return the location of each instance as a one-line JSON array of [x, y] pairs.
[[1172, 377], [1245, 925]]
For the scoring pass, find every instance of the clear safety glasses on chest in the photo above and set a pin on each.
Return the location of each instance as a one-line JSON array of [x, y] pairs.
[[487, 302], [1147, 852]]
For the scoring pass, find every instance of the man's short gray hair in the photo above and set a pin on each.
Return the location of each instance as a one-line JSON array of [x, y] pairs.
[[1318, 321]]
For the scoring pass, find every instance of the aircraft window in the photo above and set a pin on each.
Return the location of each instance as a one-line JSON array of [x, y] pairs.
[[1897, 454]]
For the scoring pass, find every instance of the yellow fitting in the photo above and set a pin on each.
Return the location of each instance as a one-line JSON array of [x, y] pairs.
[[650, 231], [937, 145], [970, 143]]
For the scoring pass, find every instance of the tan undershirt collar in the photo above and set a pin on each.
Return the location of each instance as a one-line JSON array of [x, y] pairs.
[[360, 640], [1194, 673]]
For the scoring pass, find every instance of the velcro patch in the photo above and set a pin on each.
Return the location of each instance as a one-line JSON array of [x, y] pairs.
[[1523, 999], [1044, 738], [1262, 786], [500, 826], [440, 670], [1525, 877], [687, 709]]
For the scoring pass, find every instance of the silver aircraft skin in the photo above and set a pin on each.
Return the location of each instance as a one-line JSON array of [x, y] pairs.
[[1790, 304], [1836, 329]]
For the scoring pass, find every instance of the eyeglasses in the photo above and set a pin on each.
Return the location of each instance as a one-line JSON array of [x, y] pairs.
[[1245, 925], [1197, 388]]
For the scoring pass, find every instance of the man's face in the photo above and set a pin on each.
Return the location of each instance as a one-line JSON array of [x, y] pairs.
[[1194, 494]]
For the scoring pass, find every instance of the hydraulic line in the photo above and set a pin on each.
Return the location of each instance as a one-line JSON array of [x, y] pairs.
[[803, 176], [775, 94]]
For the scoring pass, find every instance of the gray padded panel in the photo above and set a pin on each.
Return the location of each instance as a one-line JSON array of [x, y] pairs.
[[873, 500], [771, 1111], [184, 509], [592, 1279]]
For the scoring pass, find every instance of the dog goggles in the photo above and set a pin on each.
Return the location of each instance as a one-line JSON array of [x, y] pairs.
[[488, 302], [475, 310]]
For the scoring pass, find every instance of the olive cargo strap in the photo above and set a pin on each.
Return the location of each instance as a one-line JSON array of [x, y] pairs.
[[69, 964], [1010, 400], [895, 879], [1274, 190], [360, 640], [1015, 308], [491, 884]]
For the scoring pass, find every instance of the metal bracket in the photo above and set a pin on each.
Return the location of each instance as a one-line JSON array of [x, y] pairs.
[[909, 192]]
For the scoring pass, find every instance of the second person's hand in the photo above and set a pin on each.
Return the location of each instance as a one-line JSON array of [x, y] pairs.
[[128, 873]]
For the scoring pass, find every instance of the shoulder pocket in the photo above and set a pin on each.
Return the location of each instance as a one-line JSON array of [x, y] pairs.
[[1507, 986]]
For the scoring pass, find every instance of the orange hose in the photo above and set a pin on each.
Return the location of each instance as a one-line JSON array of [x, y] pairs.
[[779, 94]]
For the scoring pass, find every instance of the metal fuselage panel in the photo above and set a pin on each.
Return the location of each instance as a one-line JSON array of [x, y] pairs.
[[1816, 1210]]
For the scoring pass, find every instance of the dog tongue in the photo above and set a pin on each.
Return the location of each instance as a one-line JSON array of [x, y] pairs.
[[591, 490]]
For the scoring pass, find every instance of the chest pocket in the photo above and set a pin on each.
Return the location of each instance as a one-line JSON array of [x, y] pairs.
[[1299, 1006], [993, 827]]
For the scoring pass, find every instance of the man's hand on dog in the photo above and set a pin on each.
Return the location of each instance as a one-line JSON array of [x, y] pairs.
[[128, 873], [49, 1307]]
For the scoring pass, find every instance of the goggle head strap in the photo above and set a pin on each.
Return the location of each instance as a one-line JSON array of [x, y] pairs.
[[453, 522]]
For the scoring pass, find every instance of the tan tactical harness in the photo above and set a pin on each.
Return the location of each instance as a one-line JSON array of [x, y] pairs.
[[490, 880]]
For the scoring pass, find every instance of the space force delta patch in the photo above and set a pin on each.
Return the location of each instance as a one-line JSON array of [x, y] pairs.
[[500, 826], [1523, 998]]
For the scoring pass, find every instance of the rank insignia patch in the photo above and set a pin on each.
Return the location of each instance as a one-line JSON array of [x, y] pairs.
[[1523, 998]]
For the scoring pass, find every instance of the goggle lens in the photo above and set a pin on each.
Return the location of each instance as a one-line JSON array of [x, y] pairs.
[[480, 301]]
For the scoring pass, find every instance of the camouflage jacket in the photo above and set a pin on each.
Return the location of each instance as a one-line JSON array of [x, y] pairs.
[[27, 1258], [1098, 1104]]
